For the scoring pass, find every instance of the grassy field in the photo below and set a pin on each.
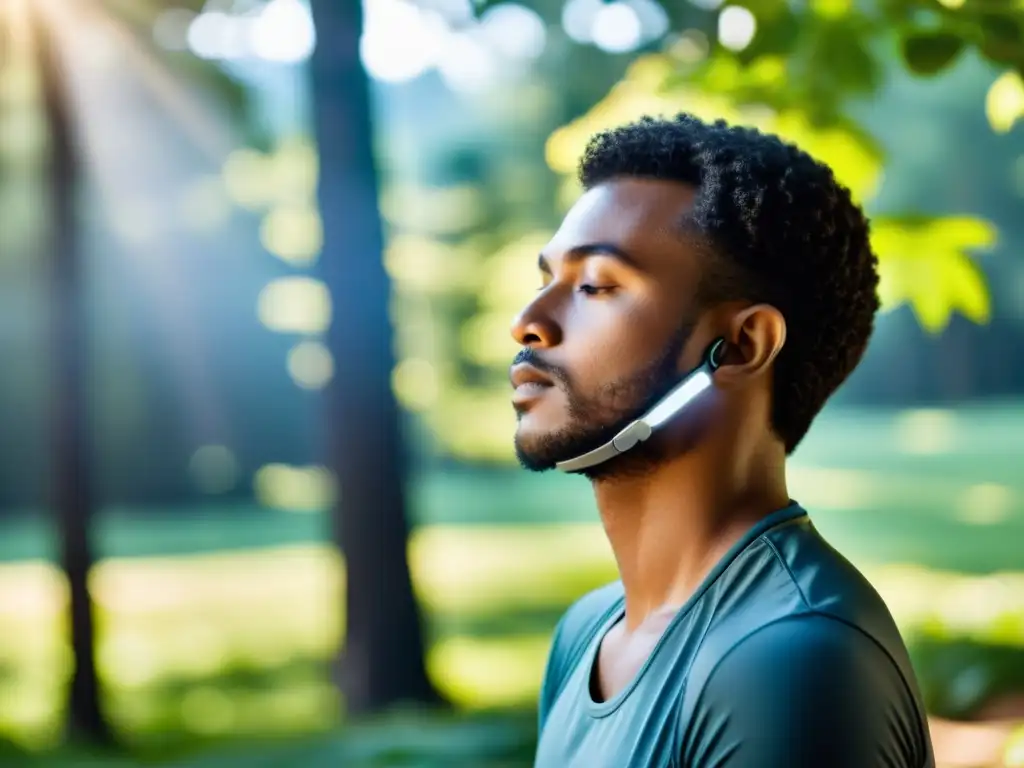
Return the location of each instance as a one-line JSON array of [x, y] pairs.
[[217, 624], [236, 643], [503, 740]]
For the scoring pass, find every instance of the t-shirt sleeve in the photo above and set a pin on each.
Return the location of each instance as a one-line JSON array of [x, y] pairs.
[[571, 638], [804, 692], [553, 674]]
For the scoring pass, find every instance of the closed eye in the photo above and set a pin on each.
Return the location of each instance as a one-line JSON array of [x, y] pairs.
[[595, 290]]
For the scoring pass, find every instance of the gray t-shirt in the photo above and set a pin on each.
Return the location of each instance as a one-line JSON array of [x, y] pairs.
[[785, 657]]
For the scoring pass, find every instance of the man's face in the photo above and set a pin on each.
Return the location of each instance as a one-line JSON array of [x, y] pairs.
[[604, 339]]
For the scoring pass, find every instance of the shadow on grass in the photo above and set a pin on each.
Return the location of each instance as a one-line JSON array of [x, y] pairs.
[[960, 676], [244, 700], [402, 739]]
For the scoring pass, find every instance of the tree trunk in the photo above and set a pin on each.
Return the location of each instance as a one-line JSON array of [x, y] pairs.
[[72, 493], [382, 663]]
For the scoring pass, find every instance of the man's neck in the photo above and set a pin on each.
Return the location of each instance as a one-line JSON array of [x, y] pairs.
[[668, 528]]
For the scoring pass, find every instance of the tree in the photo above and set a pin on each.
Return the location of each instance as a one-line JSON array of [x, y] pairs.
[[73, 497], [73, 480], [383, 660]]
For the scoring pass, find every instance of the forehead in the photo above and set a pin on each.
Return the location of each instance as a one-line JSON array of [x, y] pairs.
[[642, 216]]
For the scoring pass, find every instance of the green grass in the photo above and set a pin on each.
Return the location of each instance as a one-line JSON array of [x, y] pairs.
[[217, 623], [236, 644], [423, 740]]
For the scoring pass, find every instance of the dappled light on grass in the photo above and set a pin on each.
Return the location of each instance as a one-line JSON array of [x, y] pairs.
[[498, 568], [986, 608], [963, 745], [498, 672], [237, 644], [34, 659], [284, 701]]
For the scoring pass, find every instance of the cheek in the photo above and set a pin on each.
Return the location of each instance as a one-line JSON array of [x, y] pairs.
[[613, 345]]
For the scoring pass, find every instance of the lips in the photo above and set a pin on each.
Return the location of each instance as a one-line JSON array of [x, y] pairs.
[[530, 385], [524, 375]]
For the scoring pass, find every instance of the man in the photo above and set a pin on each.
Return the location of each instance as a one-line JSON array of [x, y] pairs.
[[736, 636]]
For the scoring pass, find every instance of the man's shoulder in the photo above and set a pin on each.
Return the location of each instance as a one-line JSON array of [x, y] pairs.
[[798, 642], [791, 571], [828, 587], [799, 629], [793, 598], [815, 673], [575, 631]]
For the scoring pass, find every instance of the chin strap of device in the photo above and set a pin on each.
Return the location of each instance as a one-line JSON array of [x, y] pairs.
[[685, 392]]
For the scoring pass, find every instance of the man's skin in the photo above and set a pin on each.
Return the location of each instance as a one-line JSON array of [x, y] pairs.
[[673, 506]]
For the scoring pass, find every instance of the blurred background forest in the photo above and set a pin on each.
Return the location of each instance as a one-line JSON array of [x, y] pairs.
[[258, 502]]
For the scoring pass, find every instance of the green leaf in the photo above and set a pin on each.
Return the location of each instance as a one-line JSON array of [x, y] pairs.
[[1004, 27], [966, 232], [928, 53], [924, 263], [840, 57], [1003, 38], [765, 10], [777, 35]]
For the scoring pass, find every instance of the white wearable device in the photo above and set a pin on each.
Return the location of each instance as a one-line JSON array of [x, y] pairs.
[[684, 393]]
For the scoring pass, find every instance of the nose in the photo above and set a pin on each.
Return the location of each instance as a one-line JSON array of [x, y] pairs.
[[533, 327]]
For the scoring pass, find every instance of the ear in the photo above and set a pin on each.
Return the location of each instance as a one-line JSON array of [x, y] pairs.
[[756, 335]]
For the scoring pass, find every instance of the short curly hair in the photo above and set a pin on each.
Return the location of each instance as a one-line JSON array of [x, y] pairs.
[[780, 230]]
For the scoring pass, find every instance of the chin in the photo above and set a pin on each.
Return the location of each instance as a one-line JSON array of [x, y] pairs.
[[539, 450], [534, 447], [532, 462], [540, 447]]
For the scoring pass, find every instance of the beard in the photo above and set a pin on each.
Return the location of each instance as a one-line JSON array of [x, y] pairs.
[[594, 420]]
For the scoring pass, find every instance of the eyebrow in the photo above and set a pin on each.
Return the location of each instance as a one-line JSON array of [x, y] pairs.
[[580, 252]]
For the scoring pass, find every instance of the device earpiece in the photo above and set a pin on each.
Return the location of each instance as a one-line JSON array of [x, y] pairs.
[[715, 355]]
